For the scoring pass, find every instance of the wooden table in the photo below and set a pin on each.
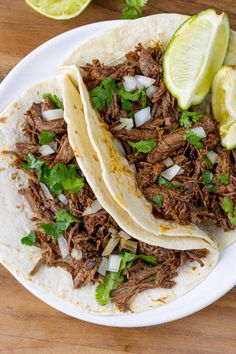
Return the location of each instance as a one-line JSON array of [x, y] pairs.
[[27, 325]]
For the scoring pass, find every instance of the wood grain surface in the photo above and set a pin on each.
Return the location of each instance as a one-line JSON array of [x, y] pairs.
[[27, 325]]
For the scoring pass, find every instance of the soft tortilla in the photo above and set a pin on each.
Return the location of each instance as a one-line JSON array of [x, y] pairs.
[[15, 213], [111, 48]]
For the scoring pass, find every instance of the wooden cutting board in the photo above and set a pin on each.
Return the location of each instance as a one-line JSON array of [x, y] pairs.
[[27, 325]]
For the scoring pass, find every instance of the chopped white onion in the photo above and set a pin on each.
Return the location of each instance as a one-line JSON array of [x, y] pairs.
[[133, 168], [102, 269], [76, 254], [181, 171], [124, 235], [199, 131], [54, 145], [46, 150], [168, 162], [212, 156], [119, 147], [46, 191], [94, 208], [142, 116], [112, 243], [112, 231], [150, 91], [144, 81], [63, 199], [130, 83], [171, 172], [52, 114], [125, 123], [114, 263], [64, 249]]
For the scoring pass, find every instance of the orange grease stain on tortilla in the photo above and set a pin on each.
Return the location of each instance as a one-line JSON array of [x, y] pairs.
[[165, 228], [3, 120], [116, 165], [2, 169], [95, 157]]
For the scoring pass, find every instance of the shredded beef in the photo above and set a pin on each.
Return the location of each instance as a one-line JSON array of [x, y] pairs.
[[65, 153], [135, 134]]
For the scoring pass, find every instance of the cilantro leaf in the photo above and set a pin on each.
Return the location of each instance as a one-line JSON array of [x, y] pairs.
[[54, 99], [133, 8], [208, 162], [46, 137], [193, 139], [32, 163], [126, 105], [228, 206], [143, 98], [144, 146], [102, 94], [158, 199], [207, 177], [164, 181], [29, 239], [131, 96], [187, 119], [63, 221], [223, 179], [110, 282]]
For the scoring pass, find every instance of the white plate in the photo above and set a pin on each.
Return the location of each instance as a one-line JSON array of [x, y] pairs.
[[42, 64]]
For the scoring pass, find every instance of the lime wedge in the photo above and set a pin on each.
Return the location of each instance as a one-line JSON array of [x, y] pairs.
[[58, 9], [193, 56], [224, 104]]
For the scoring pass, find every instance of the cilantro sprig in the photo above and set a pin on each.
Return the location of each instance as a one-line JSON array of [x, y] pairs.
[[228, 206], [223, 179], [187, 119], [193, 139], [143, 146], [32, 163], [164, 181], [102, 94], [29, 240], [133, 8], [113, 279], [206, 178], [158, 200], [63, 221], [46, 137], [54, 99]]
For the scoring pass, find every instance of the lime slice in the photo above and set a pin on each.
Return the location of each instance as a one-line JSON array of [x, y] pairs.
[[193, 56], [224, 104], [58, 9]]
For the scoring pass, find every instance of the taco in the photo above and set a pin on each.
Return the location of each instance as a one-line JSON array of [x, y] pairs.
[[152, 170], [55, 231]]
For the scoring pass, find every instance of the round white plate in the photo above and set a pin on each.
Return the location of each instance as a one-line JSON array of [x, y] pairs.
[[41, 65]]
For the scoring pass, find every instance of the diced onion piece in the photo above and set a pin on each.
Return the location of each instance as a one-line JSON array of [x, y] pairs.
[[112, 243], [54, 145], [130, 83], [168, 162], [125, 123], [63, 246], [171, 172], [46, 191], [150, 91], [133, 168], [212, 156], [181, 171], [53, 114], [129, 245], [144, 81], [124, 235], [114, 263], [112, 231], [199, 131], [63, 199], [46, 150], [142, 116], [94, 208], [76, 254], [102, 269]]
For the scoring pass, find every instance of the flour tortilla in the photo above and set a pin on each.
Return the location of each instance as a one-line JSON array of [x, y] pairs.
[[15, 213], [110, 48]]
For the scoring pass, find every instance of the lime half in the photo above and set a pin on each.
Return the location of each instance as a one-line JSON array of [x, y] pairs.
[[193, 56], [58, 9], [224, 104]]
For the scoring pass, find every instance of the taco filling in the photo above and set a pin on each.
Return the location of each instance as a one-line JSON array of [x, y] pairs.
[[71, 227], [182, 169]]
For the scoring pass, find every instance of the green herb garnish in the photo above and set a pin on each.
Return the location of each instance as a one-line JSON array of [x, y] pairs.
[[133, 8], [228, 206], [63, 221], [54, 99], [193, 139], [32, 163], [144, 146], [187, 119], [223, 179], [207, 177], [102, 94], [164, 181], [126, 105], [29, 239], [46, 137], [158, 199], [208, 162]]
